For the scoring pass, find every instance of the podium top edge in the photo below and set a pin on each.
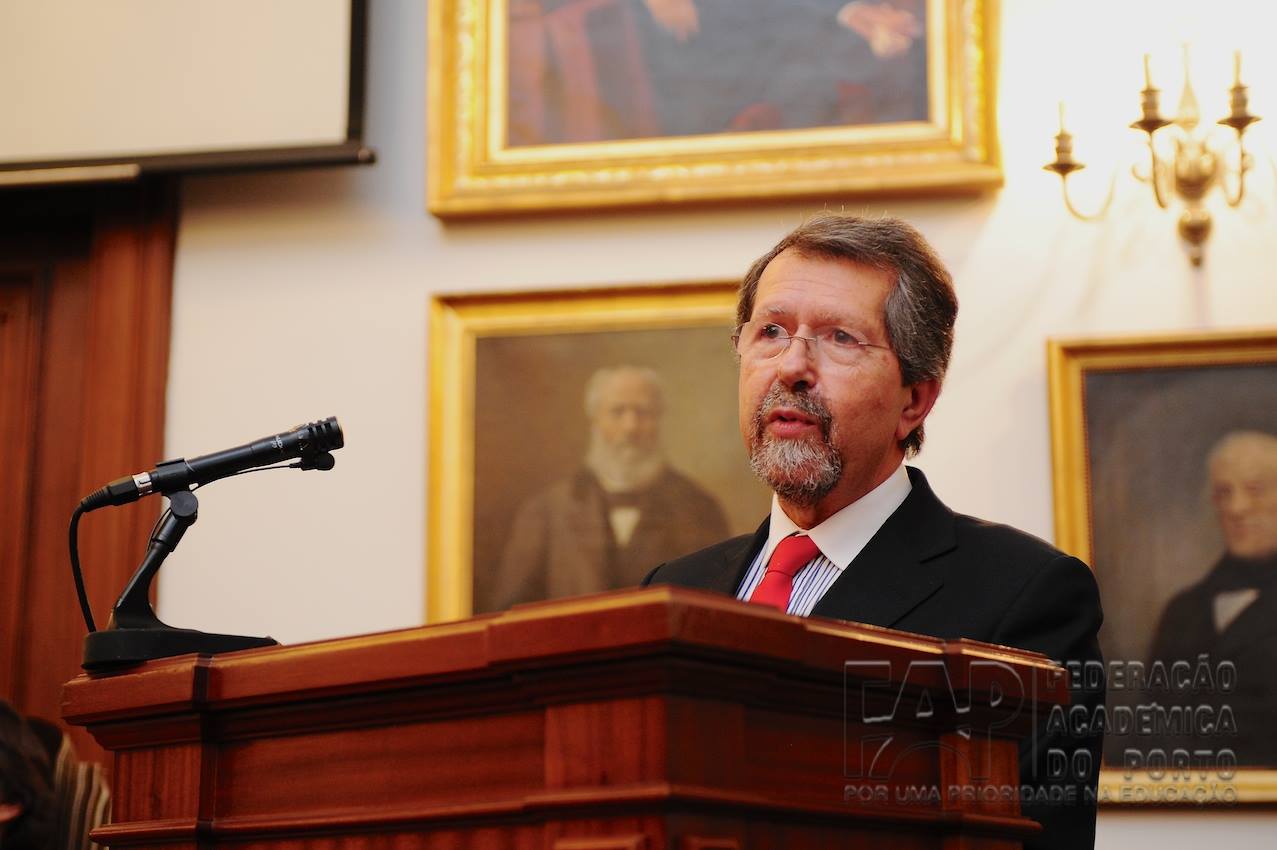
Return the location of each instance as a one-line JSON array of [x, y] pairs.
[[620, 624]]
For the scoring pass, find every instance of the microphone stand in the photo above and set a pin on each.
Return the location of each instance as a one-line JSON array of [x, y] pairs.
[[134, 633]]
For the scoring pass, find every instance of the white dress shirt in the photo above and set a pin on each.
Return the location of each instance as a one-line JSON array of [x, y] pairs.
[[840, 538]]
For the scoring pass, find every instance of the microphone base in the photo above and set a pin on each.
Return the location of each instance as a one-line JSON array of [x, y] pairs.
[[115, 648]]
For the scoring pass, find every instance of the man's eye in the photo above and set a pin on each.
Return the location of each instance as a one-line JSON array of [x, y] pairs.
[[838, 336], [770, 331]]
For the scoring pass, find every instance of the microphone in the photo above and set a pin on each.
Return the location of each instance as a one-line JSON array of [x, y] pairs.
[[311, 443]]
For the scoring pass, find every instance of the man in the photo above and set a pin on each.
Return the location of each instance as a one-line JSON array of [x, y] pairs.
[[626, 509], [845, 332], [1231, 614]]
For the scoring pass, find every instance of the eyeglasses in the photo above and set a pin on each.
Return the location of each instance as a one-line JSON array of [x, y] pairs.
[[764, 340]]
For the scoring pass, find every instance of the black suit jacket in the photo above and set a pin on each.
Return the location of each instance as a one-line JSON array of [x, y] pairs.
[[934, 572]]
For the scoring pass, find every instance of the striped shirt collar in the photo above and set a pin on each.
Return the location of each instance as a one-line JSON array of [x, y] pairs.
[[843, 535]]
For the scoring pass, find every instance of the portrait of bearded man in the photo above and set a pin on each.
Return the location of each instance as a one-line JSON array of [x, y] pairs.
[[623, 510]]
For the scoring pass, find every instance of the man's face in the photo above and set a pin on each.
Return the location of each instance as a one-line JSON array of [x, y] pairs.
[[628, 415], [1244, 491], [851, 418]]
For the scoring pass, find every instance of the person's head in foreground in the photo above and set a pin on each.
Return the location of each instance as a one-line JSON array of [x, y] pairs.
[[26, 795]]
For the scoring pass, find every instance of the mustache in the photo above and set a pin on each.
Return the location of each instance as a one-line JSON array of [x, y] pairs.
[[782, 396]]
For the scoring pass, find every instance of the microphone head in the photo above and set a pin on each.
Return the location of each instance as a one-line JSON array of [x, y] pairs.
[[322, 436]]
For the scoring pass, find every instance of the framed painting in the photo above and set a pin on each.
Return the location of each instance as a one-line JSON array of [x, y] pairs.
[[1165, 477], [556, 104], [578, 439]]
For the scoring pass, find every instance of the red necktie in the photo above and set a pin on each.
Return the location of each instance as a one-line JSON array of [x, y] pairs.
[[793, 553]]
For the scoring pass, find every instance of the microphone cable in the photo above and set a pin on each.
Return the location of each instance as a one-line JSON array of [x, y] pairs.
[[74, 533]]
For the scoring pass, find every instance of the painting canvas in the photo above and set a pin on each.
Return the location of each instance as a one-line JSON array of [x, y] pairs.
[[1169, 447], [555, 104], [607, 70], [594, 452]]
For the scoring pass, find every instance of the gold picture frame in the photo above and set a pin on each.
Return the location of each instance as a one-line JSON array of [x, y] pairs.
[[948, 141], [506, 413], [1133, 420]]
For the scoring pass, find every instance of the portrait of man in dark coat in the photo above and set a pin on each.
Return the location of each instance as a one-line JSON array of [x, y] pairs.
[[624, 509], [1230, 615]]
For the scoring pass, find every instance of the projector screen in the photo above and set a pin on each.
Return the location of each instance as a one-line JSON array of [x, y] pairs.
[[180, 85]]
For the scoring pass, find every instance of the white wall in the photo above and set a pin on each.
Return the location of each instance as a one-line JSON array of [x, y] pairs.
[[303, 295]]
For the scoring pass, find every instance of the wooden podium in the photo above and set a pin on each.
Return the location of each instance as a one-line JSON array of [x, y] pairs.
[[658, 718]]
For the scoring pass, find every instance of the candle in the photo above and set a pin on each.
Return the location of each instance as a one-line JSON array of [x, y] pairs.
[[1064, 148], [1061, 116], [1237, 67], [1149, 101], [1239, 102], [1148, 77]]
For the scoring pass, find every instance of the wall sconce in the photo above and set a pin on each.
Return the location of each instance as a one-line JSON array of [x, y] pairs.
[[1189, 170]]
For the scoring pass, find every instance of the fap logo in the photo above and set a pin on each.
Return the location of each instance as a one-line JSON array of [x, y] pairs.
[[893, 711]]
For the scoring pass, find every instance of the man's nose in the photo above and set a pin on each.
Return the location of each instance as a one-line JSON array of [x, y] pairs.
[[632, 420], [797, 363], [1235, 502]]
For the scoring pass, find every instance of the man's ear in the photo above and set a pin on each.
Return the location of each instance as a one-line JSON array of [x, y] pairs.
[[9, 811], [921, 398]]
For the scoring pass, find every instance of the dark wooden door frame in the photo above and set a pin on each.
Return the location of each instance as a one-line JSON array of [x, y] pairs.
[[99, 264], [22, 295]]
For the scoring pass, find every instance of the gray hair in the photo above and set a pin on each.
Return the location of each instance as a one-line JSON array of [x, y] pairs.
[[602, 377], [921, 308]]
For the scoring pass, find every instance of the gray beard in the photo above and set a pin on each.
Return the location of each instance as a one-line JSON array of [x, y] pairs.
[[801, 472], [625, 468]]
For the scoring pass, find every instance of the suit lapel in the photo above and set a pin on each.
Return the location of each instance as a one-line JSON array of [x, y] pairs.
[[893, 574], [729, 572]]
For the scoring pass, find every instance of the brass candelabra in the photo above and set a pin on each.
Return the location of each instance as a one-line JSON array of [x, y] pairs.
[[1193, 168]]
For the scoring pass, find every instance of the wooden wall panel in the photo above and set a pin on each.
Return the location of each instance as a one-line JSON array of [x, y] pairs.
[[51, 624], [21, 311], [98, 272]]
